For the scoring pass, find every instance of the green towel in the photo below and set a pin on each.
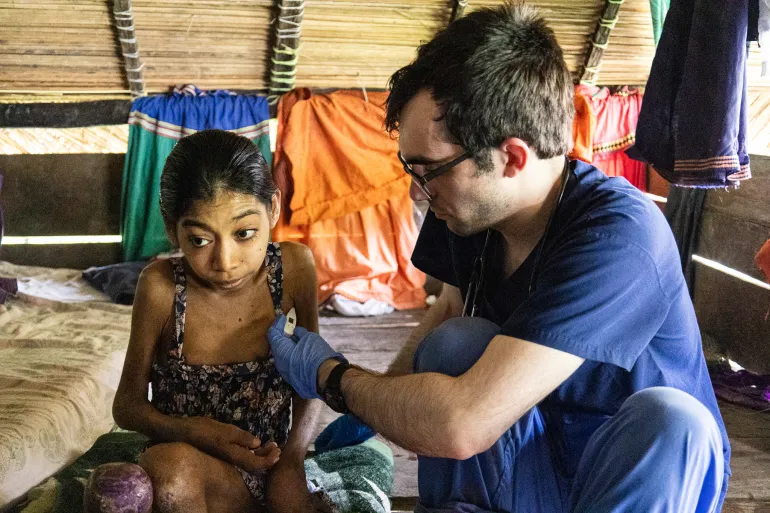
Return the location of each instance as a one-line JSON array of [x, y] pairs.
[[357, 478]]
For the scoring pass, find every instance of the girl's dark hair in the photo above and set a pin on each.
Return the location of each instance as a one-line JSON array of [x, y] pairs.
[[209, 161], [496, 73]]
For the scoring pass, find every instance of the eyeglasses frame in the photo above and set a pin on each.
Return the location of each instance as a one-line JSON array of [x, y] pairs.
[[422, 180]]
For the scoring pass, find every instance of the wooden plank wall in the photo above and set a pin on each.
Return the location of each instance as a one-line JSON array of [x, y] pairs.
[[734, 225], [75, 194]]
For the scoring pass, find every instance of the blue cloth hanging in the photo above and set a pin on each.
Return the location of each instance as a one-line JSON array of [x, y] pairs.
[[692, 126]]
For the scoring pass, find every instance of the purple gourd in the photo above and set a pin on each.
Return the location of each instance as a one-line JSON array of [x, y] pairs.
[[118, 488]]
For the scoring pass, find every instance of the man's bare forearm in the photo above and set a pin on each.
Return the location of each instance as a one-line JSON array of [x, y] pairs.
[[426, 403]]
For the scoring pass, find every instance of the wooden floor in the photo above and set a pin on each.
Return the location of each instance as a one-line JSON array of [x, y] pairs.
[[373, 342]]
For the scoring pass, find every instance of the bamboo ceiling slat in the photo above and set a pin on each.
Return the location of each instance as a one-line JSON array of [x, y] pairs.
[[212, 45], [47, 45], [217, 44], [631, 48], [349, 44]]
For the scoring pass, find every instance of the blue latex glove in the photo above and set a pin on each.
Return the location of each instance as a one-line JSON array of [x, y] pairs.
[[346, 430], [298, 362]]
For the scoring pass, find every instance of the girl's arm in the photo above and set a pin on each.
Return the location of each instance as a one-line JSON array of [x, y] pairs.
[[287, 479], [132, 409]]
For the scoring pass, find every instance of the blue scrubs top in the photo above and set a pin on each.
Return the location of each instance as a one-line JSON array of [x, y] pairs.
[[609, 288]]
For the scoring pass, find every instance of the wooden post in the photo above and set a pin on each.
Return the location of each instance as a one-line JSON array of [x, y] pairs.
[[124, 23], [599, 42], [458, 9], [283, 67]]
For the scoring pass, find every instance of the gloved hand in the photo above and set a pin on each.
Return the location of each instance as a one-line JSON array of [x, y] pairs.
[[346, 430], [298, 362]]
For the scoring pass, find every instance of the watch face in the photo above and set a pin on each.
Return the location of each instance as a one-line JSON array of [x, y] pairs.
[[335, 401]]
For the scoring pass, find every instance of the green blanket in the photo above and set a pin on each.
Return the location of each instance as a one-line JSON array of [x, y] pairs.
[[357, 478]]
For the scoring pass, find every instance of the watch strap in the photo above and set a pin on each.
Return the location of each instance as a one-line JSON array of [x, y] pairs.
[[333, 389]]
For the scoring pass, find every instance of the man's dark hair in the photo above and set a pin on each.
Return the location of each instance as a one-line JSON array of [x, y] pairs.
[[496, 73]]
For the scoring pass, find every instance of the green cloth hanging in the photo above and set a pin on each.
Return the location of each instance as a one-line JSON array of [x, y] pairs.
[[658, 9], [143, 231]]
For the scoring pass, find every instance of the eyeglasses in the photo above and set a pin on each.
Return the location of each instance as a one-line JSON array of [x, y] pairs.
[[422, 181]]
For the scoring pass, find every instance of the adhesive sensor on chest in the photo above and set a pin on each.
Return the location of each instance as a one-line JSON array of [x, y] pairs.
[[291, 322]]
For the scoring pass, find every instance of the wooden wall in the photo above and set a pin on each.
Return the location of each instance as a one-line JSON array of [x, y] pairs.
[[734, 225], [75, 194], [79, 194]]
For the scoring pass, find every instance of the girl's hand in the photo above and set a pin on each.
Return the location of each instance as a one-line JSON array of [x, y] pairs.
[[231, 444]]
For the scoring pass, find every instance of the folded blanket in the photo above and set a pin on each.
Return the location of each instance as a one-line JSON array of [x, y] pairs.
[[357, 478], [117, 280]]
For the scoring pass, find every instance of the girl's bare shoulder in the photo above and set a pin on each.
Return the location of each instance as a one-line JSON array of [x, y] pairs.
[[156, 283], [297, 259], [298, 267]]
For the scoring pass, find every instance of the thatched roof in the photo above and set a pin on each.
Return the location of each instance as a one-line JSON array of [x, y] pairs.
[[53, 46]]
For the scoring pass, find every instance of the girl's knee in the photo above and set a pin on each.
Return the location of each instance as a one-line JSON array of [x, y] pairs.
[[175, 471], [169, 458]]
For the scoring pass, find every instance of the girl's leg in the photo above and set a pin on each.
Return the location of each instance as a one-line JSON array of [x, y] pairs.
[[188, 480]]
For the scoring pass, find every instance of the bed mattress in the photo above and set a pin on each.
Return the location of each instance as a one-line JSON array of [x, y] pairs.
[[62, 346]]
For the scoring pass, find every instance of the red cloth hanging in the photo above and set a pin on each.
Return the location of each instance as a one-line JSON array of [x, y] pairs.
[[616, 117]]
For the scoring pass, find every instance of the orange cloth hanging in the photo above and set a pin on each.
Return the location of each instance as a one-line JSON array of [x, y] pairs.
[[367, 255], [763, 259], [342, 159], [346, 196], [282, 170], [583, 127]]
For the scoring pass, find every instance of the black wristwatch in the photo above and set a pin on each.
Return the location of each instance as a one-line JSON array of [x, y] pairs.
[[332, 394]]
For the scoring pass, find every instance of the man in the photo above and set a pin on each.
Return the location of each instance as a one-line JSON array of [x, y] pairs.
[[561, 368]]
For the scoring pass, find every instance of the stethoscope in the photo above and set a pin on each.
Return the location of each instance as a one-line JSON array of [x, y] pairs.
[[477, 275]]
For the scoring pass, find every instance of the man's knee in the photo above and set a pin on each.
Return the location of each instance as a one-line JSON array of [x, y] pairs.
[[676, 417], [454, 346], [174, 469]]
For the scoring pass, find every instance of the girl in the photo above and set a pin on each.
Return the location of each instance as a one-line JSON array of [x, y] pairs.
[[219, 415]]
